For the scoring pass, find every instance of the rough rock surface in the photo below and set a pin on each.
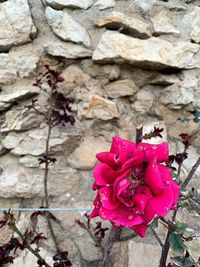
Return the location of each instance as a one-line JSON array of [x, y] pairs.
[[139, 52], [16, 25], [193, 19], [104, 4], [180, 94], [121, 88], [16, 64], [7, 100], [100, 108], [60, 4], [131, 25], [83, 156], [65, 27], [134, 79], [67, 50], [162, 24]]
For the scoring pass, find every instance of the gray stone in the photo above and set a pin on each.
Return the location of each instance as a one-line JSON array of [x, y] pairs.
[[180, 94], [33, 142], [17, 64], [7, 100], [17, 181], [104, 4], [144, 101], [84, 156], [21, 119], [132, 26], [162, 24], [144, 5], [67, 50], [119, 48], [65, 27], [101, 108], [151, 252], [121, 88], [60, 4], [16, 25], [192, 18]]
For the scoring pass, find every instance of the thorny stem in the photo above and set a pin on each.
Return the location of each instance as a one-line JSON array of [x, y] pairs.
[[46, 172], [191, 173], [166, 246], [34, 252]]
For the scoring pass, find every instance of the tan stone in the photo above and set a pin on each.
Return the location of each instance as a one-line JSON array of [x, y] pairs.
[[73, 77], [133, 26], [121, 88], [84, 157], [118, 48], [101, 108]]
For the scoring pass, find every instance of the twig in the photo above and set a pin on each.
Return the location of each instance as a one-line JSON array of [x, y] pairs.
[[113, 236], [191, 173], [156, 236], [139, 134], [34, 252], [46, 172], [166, 246]]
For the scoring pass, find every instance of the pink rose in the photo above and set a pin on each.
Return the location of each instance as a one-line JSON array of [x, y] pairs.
[[133, 187]]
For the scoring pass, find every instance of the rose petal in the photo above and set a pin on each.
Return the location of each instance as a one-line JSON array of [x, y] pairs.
[[161, 151], [97, 206], [140, 229], [122, 215], [123, 149], [107, 199], [109, 158], [140, 201], [153, 178], [159, 206], [167, 179], [104, 174]]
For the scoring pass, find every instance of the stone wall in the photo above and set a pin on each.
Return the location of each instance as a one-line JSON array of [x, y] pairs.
[[126, 63]]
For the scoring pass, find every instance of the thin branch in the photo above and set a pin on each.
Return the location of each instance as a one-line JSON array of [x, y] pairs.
[[156, 236], [191, 173], [34, 252], [46, 171], [139, 134], [113, 236]]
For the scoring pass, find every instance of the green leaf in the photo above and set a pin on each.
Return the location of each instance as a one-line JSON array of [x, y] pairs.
[[180, 227], [176, 243], [183, 262]]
